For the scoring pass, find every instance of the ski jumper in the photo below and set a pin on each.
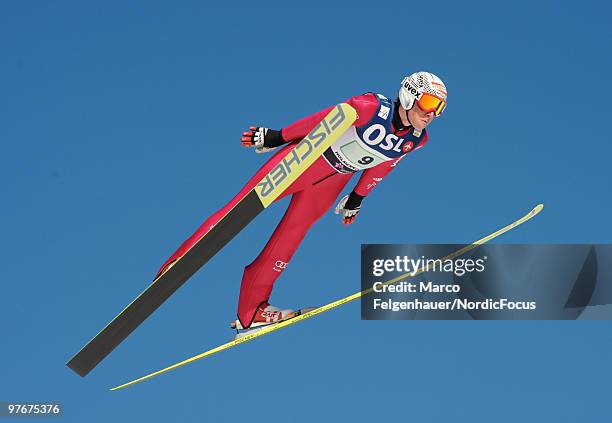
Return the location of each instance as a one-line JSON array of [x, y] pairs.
[[371, 145]]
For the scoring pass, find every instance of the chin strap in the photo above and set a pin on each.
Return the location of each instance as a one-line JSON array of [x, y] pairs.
[[397, 120], [399, 125]]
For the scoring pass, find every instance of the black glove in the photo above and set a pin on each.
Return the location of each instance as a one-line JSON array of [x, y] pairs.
[[349, 206], [263, 139]]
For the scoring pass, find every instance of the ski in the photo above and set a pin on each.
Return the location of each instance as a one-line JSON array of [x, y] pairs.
[[334, 304], [337, 121]]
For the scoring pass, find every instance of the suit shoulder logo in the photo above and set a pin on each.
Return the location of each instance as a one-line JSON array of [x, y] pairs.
[[383, 113]]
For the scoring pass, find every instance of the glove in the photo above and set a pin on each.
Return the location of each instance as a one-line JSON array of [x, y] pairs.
[[263, 139], [349, 207]]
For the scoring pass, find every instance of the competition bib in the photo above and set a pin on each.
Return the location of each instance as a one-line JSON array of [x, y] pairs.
[[373, 143], [354, 154]]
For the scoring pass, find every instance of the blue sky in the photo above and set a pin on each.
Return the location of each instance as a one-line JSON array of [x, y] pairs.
[[120, 124]]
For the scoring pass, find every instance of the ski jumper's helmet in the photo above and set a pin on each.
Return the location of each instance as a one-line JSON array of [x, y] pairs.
[[424, 88]]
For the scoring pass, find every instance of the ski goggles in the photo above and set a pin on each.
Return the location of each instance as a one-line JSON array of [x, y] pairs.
[[431, 103]]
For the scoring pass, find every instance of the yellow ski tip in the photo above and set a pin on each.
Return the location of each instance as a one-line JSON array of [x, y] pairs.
[[536, 210]]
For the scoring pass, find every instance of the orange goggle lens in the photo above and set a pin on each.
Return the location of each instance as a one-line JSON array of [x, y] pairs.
[[430, 103]]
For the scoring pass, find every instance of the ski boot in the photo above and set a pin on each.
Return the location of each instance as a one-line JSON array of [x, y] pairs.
[[265, 316]]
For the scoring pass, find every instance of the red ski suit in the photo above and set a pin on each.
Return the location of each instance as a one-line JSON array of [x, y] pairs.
[[313, 193]]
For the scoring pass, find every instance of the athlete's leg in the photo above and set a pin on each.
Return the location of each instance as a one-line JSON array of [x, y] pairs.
[[217, 216], [305, 208]]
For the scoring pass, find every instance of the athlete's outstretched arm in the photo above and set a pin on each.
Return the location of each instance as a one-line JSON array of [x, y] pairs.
[[365, 105], [371, 177], [350, 204], [266, 139]]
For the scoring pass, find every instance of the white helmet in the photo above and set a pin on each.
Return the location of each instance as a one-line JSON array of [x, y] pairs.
[[415, 85]]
